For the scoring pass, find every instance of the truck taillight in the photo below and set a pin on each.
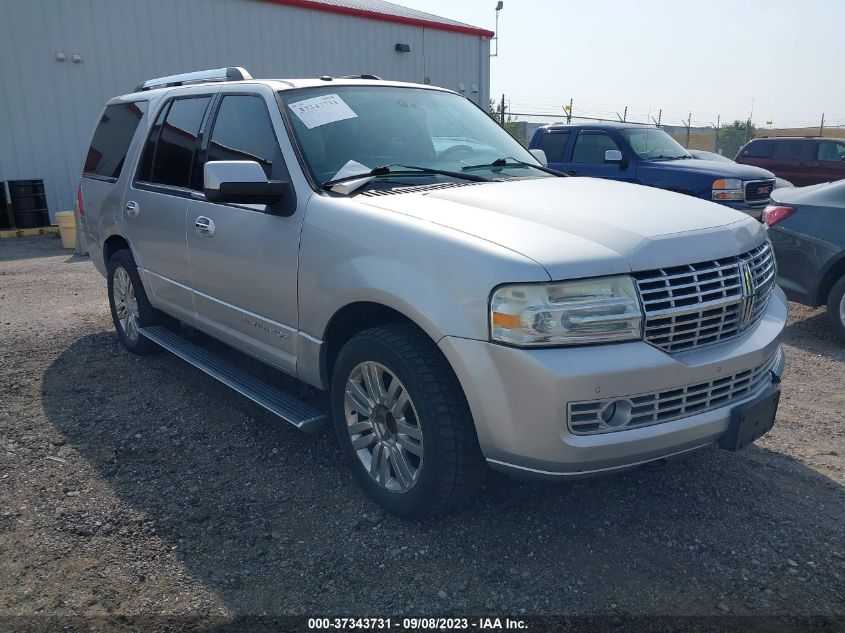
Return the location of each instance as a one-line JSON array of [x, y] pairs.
[[776, 213], [79, 200]]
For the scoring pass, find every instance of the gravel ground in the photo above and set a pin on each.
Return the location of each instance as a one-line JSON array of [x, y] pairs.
[[140, 486]]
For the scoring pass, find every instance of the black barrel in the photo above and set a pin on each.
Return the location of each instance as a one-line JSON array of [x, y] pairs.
[[5, 221], [29, 203]]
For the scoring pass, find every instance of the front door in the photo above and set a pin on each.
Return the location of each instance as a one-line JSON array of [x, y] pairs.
[[156, 203], [243, 257], [588, 157]]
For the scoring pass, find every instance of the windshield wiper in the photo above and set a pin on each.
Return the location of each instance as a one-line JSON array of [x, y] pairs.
[[403, 170], [668, 157], [509, 161]]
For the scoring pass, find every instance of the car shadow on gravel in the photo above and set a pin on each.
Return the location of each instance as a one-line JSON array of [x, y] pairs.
[[814, 335], [271, 520]]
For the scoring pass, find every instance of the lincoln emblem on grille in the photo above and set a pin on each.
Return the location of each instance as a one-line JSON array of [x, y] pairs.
[[747, 304]]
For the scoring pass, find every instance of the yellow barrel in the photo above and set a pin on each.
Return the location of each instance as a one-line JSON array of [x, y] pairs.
[[67, 228]]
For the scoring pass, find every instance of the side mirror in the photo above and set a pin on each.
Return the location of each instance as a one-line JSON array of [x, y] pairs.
[[241, 182], [540, 155], [613, 156]]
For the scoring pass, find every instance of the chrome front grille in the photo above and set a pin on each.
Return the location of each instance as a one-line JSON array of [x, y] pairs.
[[699, 304], [759, 190], [618, 414]]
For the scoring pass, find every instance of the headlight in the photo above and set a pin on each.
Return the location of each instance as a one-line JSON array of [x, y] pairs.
[[567, 313], [728, 189]]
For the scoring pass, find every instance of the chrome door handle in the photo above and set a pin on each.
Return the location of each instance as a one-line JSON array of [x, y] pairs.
[[132, 209], [205, 226]]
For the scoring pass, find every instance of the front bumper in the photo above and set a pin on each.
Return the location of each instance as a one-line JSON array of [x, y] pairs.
[[519, 397], [755, 210]]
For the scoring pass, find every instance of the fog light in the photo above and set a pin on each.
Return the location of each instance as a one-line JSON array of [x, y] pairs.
[[616, 413]]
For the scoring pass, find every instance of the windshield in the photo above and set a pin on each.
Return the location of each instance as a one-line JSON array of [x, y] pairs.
[[347, 130], [649, 143]]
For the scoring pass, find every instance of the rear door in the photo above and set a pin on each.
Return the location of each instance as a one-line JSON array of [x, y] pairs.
[[554, 144], [244, 271], [587, 157], [103, 176], [794, 160], [156, 203], [830, 160]]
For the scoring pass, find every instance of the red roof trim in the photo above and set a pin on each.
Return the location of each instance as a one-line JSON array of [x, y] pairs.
[[384, 17]]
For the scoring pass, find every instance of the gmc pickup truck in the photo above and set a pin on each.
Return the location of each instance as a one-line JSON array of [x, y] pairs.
[[649, 156], [464, 305]]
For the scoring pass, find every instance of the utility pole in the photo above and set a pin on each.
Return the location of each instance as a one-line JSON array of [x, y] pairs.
[[625, 115], [499, 6], [569, 112], [502, 112], [821, 127], [688, 124], [718, 125], [748, 123]]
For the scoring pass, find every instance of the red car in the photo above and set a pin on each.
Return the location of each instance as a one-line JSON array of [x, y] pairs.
[[801, 160]]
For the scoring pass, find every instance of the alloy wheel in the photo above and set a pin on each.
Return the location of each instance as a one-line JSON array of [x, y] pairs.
[[383, 426], [126, 304]]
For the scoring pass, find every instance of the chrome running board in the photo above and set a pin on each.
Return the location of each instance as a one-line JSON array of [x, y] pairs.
[[303, 416]]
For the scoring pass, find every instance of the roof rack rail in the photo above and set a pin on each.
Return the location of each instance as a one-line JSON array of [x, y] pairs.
[[374, 77], [233, 73]]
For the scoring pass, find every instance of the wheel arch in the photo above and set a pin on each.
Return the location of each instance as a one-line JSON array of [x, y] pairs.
[[352, 319], [834, 272], [112, 244]]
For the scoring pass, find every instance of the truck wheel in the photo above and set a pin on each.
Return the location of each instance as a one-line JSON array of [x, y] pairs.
[[130, 308], [836, 308], [403, 422]]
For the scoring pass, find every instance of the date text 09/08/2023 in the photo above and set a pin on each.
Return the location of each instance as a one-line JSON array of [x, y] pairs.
[[416, 624]]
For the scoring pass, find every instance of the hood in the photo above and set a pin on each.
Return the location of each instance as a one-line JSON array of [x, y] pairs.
[[583, 227], [714, 168]]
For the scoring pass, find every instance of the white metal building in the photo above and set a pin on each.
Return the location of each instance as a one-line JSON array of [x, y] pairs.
[[60, 60]]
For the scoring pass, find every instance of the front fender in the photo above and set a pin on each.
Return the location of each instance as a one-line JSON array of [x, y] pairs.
[[438, 277]]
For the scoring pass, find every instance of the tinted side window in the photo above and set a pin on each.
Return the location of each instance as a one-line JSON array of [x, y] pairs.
[[243, 131], [591, 146], [112, 138], [831, 151], [554, 144], [177, 142], [146, 163], [793, 150], [759, 149]]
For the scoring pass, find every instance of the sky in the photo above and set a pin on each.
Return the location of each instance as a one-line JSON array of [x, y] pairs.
[[708, 58]]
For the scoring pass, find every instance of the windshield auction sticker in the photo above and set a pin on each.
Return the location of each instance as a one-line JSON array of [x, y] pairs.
[[322, 110]]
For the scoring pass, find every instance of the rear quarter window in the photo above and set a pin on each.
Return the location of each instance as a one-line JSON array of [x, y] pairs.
[[111, 139]]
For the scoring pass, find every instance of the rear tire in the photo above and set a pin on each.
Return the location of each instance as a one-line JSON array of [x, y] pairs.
[[836, 308], [414, 427], [130, 308]]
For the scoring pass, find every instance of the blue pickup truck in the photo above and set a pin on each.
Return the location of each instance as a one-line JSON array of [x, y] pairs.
[[649, 156]]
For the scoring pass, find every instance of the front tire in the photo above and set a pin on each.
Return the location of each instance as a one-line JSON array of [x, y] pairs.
[[836, 308], [403, 422], [130, 308]]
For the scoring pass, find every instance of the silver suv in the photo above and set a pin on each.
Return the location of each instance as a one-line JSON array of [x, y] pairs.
[[463, 303]]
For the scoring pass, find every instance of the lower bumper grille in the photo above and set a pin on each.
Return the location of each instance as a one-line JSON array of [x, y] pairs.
[[618, 414]]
